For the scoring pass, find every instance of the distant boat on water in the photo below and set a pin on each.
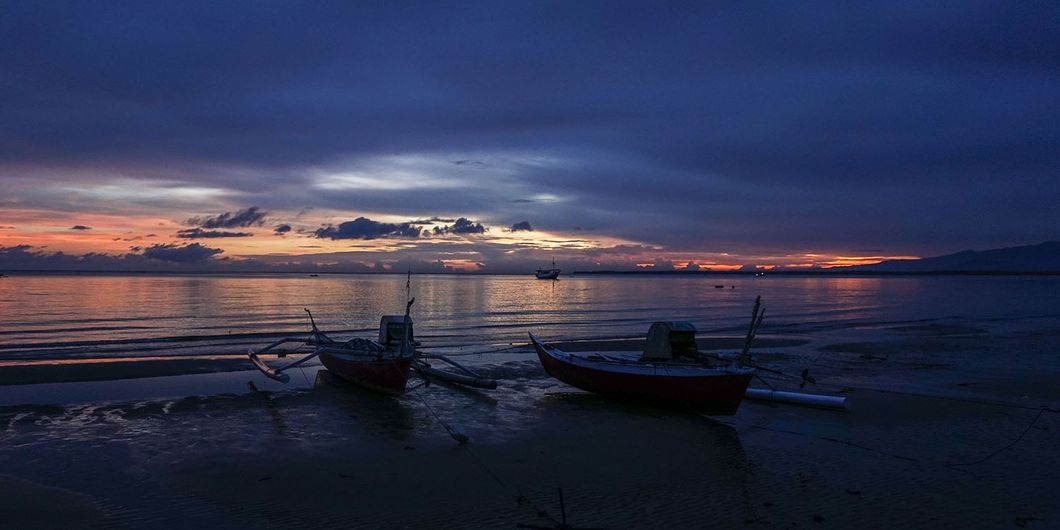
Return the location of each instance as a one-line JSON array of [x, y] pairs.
[[548, 274]]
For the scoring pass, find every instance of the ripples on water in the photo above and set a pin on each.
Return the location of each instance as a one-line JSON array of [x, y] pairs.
[[457, 310]]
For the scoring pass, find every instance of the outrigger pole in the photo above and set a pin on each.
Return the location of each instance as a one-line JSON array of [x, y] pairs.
[[408, 306], [779, 396], [756, 321], [316, 338]]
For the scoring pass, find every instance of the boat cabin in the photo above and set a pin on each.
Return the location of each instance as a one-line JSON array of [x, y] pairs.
[[671, 341], [391, 330]]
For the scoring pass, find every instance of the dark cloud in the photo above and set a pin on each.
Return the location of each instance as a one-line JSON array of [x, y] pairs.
[[27, 257], [893, 125], [240, 219], [5, 227], [521, 226], [156, 257], [364, 228], [80, 227], [193, 253], [281, 229], [662, 264], [431, 221], [198, 233], [416, 266], [462, 225], [16, 250]]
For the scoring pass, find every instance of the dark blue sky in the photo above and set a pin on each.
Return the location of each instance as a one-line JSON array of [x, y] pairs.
[[754, 133]]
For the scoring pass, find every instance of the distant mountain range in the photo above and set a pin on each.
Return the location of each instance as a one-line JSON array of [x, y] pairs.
[[1040, 258], [1043, 258]]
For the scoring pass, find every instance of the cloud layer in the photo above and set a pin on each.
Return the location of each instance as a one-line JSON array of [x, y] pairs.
[[240, 219], [773, 130], [364, 228]]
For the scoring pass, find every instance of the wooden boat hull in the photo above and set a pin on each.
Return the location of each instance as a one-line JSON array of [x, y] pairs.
[[546, 274], [387, 375], [715, 390]]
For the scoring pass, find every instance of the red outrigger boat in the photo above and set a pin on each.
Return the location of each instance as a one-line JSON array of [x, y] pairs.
[[718, 389], [378, 366], [670, 369], [386, 372], [361, 361]]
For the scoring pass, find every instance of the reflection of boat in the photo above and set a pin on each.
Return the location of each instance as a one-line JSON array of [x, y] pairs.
[[548, 274], [671, 368]]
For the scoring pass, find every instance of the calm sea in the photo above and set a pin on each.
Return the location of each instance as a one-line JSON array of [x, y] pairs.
[[79, 315]]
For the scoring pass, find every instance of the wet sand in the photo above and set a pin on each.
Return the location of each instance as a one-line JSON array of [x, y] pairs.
[[932, 441]]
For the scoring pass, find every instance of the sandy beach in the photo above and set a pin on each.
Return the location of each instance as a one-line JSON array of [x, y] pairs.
[[925, 445]]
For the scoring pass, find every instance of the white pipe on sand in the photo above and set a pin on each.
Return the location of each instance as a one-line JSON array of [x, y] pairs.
[[797, 398]]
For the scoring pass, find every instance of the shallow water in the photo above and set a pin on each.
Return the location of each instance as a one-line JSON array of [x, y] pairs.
[[210, 450], [57, 316]]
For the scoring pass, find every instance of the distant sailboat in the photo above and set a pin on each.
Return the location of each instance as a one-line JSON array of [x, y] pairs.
[[548, 274]]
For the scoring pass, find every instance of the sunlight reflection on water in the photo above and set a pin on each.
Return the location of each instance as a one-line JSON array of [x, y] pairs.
[[488, 309]]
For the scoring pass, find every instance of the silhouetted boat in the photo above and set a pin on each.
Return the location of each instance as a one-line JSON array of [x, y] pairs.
[[670, 369], [361, 361], [377, 365], [548, 274]]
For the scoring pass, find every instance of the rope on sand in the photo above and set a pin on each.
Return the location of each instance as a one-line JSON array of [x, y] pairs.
[[463, 439], [456, 434], [825, 438], [520, 499], [994, 453]]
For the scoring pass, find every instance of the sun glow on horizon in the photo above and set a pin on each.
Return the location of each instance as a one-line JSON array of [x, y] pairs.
[[300, 244]]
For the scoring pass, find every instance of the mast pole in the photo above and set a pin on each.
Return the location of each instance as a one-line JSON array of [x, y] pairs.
[[408, 306]]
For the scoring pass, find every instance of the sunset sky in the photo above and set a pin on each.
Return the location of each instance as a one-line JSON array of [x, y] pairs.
[[495, 136]]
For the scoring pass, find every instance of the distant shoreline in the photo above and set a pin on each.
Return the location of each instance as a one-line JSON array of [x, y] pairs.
[[700, 273], [823, 272]]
